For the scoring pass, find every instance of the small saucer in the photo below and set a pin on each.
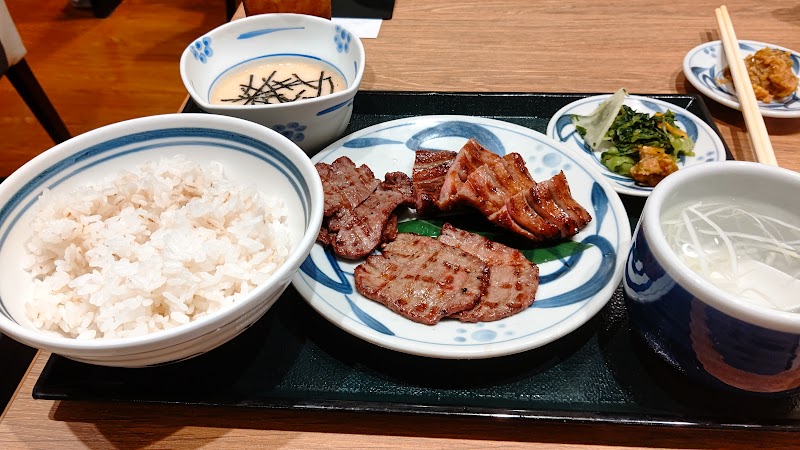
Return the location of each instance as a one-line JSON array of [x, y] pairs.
[[708, 145], [703, 67]]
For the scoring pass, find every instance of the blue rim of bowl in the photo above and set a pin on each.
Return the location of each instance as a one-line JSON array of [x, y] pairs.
[[102, 152]]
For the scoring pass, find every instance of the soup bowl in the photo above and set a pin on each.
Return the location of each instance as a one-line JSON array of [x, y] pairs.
[[311, 123], [713, 336], [248, 155]]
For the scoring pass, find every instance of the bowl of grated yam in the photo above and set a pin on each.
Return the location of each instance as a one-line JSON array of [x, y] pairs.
[[153, 240], [294, 73]]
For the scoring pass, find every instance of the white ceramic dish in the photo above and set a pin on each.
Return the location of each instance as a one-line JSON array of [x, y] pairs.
[[569, 294], [708, 145], [249, 153], [310, 123], [703, 67]]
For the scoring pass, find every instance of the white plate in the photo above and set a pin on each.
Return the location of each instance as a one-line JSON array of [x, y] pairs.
[[703, 67], [570, 292], [708, 145]]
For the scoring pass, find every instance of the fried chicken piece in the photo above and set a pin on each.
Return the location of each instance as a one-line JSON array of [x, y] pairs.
[[654, 164]]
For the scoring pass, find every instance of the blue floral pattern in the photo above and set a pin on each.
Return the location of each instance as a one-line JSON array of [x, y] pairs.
[[342, 39], [292, 130], [201, 49]]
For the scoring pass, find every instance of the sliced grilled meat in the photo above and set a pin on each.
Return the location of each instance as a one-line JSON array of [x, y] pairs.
[[422, 279], [544, 212], [513, 279], [504, 191], [471, 156], [324, 236], [559, 189], [360, 230], [518, 216], [489, 186], [541, 200], [390, 229], [345, 185], [430, 168]]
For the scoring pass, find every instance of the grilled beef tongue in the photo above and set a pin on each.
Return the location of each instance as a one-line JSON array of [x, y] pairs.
[[422, 279]]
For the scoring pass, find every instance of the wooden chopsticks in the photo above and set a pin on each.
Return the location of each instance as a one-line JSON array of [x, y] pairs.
[[759, 138]]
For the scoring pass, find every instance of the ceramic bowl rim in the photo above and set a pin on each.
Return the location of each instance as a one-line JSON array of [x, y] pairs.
[[697, 286], [203, 325], [268, 18]]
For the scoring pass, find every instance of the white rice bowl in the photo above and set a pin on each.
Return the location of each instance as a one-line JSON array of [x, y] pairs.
[[105, 283]]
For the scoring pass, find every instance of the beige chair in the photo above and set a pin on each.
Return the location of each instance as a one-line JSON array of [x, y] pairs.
[[14, 66]]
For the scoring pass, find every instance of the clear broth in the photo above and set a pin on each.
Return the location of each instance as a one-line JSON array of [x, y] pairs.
[[752, 250]]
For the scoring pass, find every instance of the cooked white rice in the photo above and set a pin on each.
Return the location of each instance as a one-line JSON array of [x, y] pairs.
[[150, 249]]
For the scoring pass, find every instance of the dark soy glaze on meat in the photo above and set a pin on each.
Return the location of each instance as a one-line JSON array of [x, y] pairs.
[[489, 186], [471, 156]]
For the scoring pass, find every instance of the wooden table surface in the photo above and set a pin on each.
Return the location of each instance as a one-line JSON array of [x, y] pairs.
[[466, 45]]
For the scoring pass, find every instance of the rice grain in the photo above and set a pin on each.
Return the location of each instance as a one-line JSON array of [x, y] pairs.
[[152, 248]]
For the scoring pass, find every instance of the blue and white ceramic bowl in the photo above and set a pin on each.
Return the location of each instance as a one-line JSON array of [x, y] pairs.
[[708, 145], [311, 123], [704, 66], [249, 153], [712, 336]]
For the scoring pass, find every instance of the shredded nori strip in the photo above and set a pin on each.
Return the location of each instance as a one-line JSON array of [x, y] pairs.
[[277, 89]]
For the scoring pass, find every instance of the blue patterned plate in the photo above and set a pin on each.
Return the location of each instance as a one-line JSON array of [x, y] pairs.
[[708, 145], [572, 290], [703, 67]]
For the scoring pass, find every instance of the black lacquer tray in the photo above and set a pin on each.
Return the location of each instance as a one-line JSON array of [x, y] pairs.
[[294, 359], [16, 358]]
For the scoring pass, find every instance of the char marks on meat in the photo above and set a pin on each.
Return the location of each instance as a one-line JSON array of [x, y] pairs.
[[513, 279], [422, 278], [345, 186], [430, 168], [361, 229], [358, 208], [559, 189], [504, 191], [471, 156], [519, 216], [488, 187], [544, 212]]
